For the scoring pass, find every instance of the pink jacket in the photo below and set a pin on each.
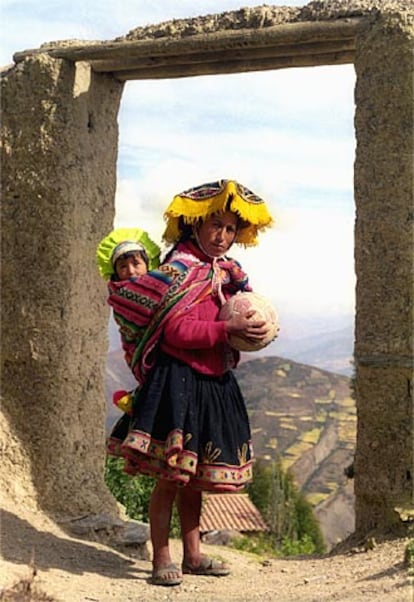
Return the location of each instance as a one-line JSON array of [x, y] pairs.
[[199, 339], [176, 308]]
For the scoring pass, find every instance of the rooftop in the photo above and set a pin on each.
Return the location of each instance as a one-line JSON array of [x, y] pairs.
[[230, 511]]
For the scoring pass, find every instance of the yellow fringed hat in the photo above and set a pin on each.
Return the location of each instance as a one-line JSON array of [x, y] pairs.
[[202, 201], [122, 241]]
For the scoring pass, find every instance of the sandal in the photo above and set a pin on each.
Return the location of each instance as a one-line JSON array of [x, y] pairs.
[[166, 575], [208, 566]]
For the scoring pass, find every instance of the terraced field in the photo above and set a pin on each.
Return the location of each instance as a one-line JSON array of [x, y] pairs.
[[307, 417]]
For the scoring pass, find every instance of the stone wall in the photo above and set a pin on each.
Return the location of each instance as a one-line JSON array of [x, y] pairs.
[[384, 260], [58, 185]]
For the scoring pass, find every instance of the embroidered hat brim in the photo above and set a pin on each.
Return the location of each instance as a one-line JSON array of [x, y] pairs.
[[214, 197]]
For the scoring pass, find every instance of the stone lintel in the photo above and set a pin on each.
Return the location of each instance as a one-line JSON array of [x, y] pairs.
[[288, 45]]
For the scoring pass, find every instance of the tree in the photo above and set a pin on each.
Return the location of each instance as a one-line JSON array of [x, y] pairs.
[[293, 527]]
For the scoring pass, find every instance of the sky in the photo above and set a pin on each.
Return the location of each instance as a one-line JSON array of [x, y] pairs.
[[286, 134]]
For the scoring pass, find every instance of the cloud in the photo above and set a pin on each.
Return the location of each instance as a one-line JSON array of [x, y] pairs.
[[288, 135], [294, 152], [305, 263], [301, 95], [30, 23]]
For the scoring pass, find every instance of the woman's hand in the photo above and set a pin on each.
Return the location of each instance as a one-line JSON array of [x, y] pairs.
[[245, 326]]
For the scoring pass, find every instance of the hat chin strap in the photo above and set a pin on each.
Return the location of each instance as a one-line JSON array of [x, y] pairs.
[[217, 276]]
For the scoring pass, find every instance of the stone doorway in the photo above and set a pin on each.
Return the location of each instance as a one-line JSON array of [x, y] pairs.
[[60, 105]]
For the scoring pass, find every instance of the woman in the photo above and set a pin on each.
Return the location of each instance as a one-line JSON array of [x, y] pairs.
[[190, 426]]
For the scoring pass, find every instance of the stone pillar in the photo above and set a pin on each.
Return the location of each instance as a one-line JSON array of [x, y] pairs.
[[384, 259], [59, 156]]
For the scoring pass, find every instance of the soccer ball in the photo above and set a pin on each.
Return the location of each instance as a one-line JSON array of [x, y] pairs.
[[242, 302]]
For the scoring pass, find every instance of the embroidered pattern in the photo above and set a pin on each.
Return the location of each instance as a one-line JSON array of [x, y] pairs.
[[242, 454], [204, 191], [141, 307], [113, 447], [210, 454], [129, 295], [170, 460], [248, 195], [212, 189]]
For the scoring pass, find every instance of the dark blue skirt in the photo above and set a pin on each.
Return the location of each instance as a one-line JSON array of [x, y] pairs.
[[189, 428]]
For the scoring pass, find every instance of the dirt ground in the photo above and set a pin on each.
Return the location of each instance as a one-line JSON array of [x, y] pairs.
[[77, 570]]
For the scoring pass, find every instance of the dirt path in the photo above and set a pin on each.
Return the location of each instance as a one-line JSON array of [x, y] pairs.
[[74, 570]]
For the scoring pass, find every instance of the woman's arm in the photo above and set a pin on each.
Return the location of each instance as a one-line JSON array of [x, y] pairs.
[[191, 332]]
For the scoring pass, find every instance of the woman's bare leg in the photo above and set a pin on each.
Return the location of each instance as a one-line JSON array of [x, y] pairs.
[[160, 511], [189, 510]]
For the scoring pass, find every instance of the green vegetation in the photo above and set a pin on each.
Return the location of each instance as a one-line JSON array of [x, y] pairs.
[[298, 448], [287, 423], [262, 544], [316, 498], [348, 402], [133, 492], [293, 410], [293, 528], [272, 444], [312, 436], [409, 557]]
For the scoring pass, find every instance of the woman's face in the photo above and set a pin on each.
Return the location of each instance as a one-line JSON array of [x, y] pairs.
[[218, 232]]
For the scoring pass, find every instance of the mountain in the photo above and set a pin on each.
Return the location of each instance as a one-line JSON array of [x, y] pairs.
[[317, 342], [299, 412], [331, 350], [307, 417]]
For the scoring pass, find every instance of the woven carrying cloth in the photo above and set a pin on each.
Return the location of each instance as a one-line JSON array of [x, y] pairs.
[[202, 201], [141, 307]]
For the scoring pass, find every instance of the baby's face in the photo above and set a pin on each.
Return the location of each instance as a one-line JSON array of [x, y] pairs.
[[128, 267]]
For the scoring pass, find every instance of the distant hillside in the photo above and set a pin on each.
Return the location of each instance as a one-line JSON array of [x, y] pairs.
[[332, 351], [304, 414], [307, 416]]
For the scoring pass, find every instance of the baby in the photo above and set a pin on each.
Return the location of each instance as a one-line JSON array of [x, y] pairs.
[[123, 254]]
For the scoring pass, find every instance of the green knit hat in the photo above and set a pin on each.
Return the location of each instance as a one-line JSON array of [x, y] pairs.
[[124, 240]]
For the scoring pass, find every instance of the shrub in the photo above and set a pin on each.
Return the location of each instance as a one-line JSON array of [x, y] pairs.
[[293, 528], [409, 557], [134, 493]]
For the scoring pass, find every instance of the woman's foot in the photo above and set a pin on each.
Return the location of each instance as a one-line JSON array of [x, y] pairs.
[[169, 574], [207, 566]]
